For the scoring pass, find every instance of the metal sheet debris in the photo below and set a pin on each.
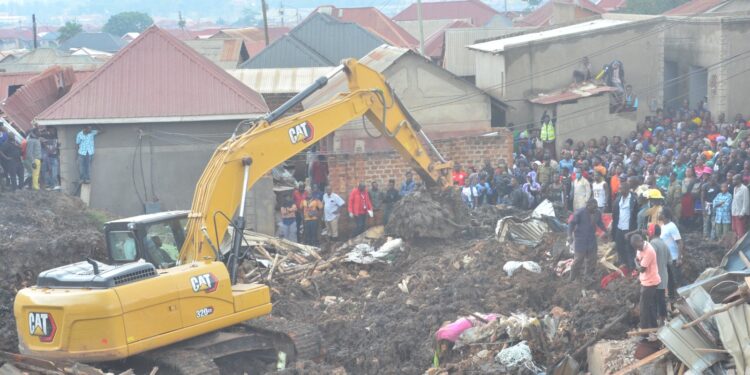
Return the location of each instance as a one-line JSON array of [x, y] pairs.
[[684, 344]]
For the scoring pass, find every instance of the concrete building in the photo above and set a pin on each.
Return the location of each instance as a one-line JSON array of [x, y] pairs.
[[163, 109], [519, 67], [577, 108], [558, 12], [460, 60], [445, 105], [708, 57]]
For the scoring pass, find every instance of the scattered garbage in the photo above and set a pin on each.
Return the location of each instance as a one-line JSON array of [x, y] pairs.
[[516, 356], [366, 254], [512, 266]]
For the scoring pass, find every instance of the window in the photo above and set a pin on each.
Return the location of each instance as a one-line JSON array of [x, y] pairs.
[[160, 245], [122, 245]]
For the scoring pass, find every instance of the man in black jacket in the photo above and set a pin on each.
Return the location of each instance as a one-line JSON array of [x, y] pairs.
[[624, 220]]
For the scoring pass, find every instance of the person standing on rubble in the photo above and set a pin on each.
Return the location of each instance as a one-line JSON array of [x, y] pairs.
[[582, 232], [624, 220], [648, 270], [10, 153], [312, 207], [359, 206], [300, 195], [662, 261], [288, 225], [332, 204], [34, 157], [670, 234], [376, 197], [389, 200], [740, 206]]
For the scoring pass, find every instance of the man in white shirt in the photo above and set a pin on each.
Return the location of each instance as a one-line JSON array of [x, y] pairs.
[[670, 234], [332, 203], [740, 206]]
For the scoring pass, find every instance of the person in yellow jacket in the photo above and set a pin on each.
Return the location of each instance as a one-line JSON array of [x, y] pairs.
[[548, 135]]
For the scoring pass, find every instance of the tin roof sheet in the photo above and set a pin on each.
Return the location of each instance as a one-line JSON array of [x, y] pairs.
[[279, 81]]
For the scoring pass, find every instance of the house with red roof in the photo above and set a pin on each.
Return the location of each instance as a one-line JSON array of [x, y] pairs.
[[556, 12], [612, 5], [374, 21], [437, 14], [162, 108], [704, 7]]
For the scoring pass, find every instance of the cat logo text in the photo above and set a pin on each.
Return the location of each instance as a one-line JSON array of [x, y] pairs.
[[42, 325], [301, 133], [204, 283]]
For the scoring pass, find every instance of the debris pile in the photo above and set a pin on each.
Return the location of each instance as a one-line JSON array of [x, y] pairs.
[[41, 230], [428, 214]]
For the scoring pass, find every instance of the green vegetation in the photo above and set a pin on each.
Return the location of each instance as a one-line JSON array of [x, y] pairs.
[[70, 29], [127, 22]]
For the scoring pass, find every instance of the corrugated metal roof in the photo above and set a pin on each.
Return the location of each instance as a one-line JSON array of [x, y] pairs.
[[500, 45], [694, 7], [479, 12], [21, 78], [320, 40], [41, 59], [542, 16], [37, 95], [279, 81], [226, 53], [610, 5], [433, 46], [155, 76], [374, 21], [458, 59], [571, 94], [252, 33], [98, 41]]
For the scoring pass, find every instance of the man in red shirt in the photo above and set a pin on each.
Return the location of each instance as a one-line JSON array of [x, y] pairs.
[[459, 176], [648, 269], [359, 206], [299, 195]]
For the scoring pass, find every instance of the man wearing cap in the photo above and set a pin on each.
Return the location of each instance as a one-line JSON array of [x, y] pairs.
[[740, 206], [624, 220]]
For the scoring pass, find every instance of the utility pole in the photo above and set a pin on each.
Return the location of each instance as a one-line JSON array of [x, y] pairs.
[[265, 20], [421, 27], [33, 28]]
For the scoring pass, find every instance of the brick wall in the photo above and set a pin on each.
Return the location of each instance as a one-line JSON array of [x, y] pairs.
[[346, 170]]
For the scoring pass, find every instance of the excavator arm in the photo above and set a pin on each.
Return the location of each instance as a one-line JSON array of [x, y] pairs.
[[239, 162]]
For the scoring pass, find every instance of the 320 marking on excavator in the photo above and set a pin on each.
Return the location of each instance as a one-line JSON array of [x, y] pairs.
[[301, 133], [206, 282], [42, 325]]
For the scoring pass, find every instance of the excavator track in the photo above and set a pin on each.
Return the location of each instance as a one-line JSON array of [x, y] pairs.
[[243, 348]]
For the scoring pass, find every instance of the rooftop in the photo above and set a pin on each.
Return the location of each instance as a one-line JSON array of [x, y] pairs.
[[226, 53], [155, 78], [40, 59], [279, 81], [612, 5], [478, 12], [374, 21], [435, 44], [695, 7], [571, 94], [96, 41], [499, 45], [542, 16]]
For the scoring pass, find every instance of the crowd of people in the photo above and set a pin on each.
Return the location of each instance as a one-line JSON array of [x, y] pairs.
[[314, 211], [33, 162]]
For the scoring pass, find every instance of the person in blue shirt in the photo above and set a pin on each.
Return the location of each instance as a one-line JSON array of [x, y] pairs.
[[85, 143], [566, 162], [408, 186], [483, 191], [722, 205]]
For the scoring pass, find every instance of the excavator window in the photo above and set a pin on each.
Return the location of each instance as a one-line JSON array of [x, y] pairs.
[[123, 246], [160, 243]]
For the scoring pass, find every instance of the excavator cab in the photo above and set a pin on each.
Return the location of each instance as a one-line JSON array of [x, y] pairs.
[[155, 238]]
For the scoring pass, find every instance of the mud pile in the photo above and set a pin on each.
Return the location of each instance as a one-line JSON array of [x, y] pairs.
[[429, 214], [41, 230]]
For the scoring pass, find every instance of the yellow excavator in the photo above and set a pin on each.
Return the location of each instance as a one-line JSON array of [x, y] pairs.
[[168, 284]]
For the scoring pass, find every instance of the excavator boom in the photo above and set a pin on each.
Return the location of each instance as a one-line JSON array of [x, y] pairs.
[[272, 141]]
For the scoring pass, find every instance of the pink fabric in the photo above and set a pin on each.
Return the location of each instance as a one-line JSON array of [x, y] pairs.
[[452, 331]]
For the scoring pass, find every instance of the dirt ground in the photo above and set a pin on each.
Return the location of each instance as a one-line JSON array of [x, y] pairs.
[[40, 230], [370, 324]]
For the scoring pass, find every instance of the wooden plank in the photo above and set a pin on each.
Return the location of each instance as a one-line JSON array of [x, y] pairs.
[[643, 362]]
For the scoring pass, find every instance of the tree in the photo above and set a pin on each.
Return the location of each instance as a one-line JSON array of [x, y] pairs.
[[250, 17], [650, 6], [127, 22], [70, 29], [533, 3]]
